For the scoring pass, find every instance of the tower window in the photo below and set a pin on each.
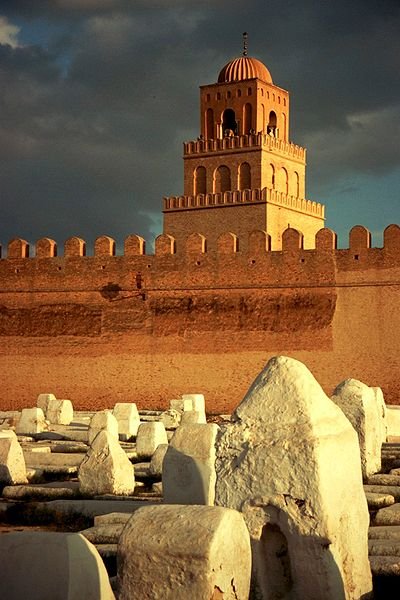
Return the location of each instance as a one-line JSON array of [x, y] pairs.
[[209, 124], [247, 118], [244, 176], [249, 91], [208, 97], [199, 181], [272, 124], [222, 179], [228, 94], [239, 93], [218, 96], [229, 124]]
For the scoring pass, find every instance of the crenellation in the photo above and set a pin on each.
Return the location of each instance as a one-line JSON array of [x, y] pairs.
[[359, 238], [238, 142], [325, 240], [104, 246], [74, 246], [227, 243], [134, 245], [165, 245], [18, 248], [391, 238], [292, 240], [45, 248]]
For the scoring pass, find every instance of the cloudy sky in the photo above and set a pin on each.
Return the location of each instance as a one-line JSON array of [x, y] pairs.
[[96, 97]]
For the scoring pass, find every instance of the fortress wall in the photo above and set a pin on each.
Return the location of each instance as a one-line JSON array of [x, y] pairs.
[[105, 329]]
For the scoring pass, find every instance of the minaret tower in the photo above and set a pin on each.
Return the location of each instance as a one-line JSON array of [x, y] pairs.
[[243, 173]]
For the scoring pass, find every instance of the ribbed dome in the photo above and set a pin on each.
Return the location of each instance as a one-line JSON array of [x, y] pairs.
[[242, 68]]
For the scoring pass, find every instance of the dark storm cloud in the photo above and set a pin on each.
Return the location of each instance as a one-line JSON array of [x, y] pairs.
[[93, 115]]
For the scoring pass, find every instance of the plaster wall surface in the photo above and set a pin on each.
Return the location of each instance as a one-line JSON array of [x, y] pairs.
[[147, 328]]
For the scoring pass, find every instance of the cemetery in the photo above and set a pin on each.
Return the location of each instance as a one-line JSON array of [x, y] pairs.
[[294, 495]]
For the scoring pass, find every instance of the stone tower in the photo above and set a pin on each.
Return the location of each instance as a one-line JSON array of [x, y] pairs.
[[243, 173]]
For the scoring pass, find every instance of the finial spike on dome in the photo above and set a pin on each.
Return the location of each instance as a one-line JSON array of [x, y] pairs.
[[245, 36]]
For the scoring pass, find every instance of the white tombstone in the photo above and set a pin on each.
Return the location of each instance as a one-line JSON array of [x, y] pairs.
[[180, 404], [358, 402], [157, 460], [149, 437], [12, 462], [290, 462], [189, 465], [193, 417], [102, 420], [51, 565], [43, 401], [60, 412], [128, 419], [32, 420], [106, 469], [382, 412], [393, 420], [171, 418], [184, 552], [196, 400]]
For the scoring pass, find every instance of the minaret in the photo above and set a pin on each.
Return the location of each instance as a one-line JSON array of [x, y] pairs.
[[243, 173]]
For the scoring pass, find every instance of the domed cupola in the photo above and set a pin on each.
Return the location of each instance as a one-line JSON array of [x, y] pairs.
[[243, 68]]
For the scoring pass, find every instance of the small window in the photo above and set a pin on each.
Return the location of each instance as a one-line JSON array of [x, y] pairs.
[[239, 93], [228, 94], [208, 97], [218, 96], [273, 97], [284, 102], [279, 99], [262, 92], [249, 91], [267, 94]]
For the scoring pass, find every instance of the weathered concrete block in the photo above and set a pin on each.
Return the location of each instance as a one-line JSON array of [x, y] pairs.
[[393, 420], [157, 460], [192, 417], [60, 566], [32, 421], [12, 462], [128, 419], [149, 437], [189, 465], [290, 462], [197, 402], [102, 420], [106, 469], [171, 418], [43, 401], [182, 552], [60, 412], [359, 404]]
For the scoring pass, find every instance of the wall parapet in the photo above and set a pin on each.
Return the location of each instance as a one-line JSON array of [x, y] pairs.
[[104, 248], [255, 195], [241, 142]]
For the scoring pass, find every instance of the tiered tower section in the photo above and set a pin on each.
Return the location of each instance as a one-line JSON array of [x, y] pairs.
[[243, 173]]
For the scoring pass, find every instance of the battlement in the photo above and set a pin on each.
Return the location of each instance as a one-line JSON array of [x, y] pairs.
[[254, 196], [240, 142], [196, 263]]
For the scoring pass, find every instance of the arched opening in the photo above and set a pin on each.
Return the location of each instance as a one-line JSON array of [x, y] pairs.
[[222, 179], [229, 124], [296, 191], [272, 176], [199, 181], [244, 176], [274, 570], [247, 118], [209, 124], [283, 183], [272, 124], [284, 126]]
